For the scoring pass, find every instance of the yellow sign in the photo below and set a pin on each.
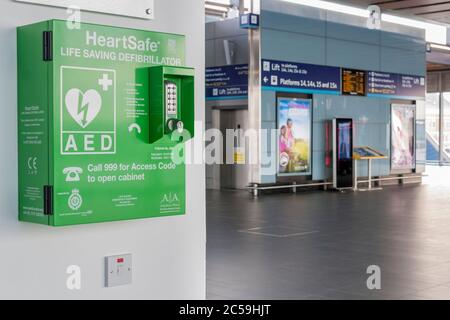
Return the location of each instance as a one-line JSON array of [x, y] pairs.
[[239, 156]]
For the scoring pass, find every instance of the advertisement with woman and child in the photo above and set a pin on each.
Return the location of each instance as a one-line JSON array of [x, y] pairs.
[[294, 141]]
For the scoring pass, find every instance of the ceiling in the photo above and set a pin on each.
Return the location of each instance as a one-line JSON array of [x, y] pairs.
[[437, 67], [216, 8], [437, 10]]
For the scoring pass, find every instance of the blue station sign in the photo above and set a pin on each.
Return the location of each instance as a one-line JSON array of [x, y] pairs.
[[384, 84], [300, 77], [227, 82]]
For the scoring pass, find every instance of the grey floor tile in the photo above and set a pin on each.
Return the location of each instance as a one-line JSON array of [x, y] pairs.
[[404, 230], [435, 293]]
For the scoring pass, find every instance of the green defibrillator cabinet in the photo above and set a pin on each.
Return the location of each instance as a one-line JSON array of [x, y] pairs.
[[103, 115]]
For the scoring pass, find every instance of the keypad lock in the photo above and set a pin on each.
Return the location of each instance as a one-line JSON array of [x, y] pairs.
[[171, 104], [171, 99]]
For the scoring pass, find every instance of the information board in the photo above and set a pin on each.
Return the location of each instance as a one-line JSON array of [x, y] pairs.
[[353, 82], [300, 77], [384, 84], [227, 82], [366, 153], [231, 82]]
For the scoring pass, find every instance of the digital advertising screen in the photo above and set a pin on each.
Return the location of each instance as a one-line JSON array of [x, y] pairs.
[[343, 167], [344, 148], [353, 82], [403, 151], [294, 136]]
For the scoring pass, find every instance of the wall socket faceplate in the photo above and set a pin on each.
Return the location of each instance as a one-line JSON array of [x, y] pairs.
[[118, 271]]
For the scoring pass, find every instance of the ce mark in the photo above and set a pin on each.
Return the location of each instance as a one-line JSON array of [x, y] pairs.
[[32, 164]]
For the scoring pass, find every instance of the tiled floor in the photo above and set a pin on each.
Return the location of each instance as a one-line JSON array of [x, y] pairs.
[[318, 245]]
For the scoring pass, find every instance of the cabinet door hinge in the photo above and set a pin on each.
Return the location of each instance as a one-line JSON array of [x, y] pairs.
[[48, 200], [47, 44]]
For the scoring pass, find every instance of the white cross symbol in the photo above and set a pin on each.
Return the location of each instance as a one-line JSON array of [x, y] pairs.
[[105, 82]]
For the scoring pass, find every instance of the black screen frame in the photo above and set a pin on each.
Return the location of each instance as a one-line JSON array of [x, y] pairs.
[[342, 83], [344, 182]]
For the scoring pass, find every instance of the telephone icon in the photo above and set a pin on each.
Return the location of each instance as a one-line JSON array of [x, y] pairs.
[[72, 174]]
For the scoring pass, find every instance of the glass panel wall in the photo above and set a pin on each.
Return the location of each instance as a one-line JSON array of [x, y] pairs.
[[438, 117], [446, 127], [433, 126]]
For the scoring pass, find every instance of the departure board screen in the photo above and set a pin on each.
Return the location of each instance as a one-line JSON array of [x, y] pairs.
[[353, 82]]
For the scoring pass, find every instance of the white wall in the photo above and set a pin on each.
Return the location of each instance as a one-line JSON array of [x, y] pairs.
[[168, 253]]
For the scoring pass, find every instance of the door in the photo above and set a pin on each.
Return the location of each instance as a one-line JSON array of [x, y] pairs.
[[234, 171]]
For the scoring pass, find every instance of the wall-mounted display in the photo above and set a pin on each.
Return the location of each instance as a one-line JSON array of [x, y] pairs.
[[300, 77], [284, 76], [403, 151], [294, 135], [101, 111], [227, 82], [394, 85], [353, 82]]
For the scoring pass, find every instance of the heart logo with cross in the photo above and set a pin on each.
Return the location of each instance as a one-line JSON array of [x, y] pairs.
[[83, 107]]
